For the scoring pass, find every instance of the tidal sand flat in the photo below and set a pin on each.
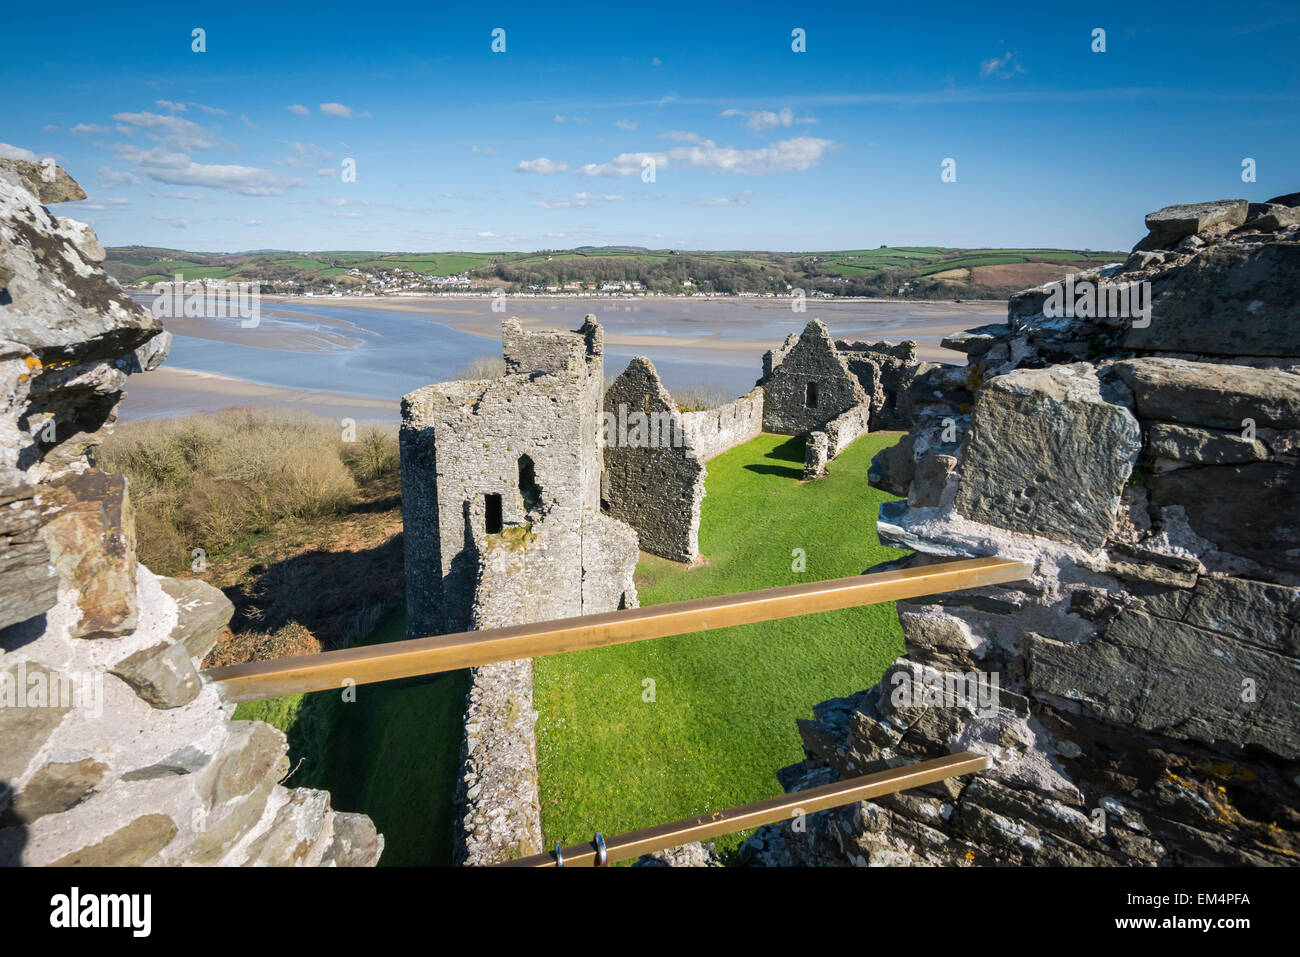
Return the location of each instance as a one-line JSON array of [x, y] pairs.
[[363, 355]]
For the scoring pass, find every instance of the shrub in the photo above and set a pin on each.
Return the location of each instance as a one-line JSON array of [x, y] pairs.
[[209, 480], [484, 367], [699, 398], [373, 456]]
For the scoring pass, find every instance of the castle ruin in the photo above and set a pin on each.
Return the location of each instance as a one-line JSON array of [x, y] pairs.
[[1148, 471], [505, 462]]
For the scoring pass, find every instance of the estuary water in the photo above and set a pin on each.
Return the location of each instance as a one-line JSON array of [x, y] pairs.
[[382, 349]]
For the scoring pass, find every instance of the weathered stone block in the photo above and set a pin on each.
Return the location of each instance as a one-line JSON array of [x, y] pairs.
[[355, 843], [184, 760], [253, 752], [1049, 452], [202, 612], [89, 526], [130, 846], [53, 789], [1250, 510], [1210, 394], [28, 582], [294, 832], [1172, 223], [1186, 443], [163, 675], [27, 723], [1229, 301]]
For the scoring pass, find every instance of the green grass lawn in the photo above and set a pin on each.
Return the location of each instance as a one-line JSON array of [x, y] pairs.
[[393, 753], [722, 721]]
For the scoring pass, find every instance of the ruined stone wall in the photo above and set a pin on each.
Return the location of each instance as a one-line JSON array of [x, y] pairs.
[[654, 479], [497, 800], [714, 431], [884, 371], [808, 384], [465, 441], [553, 554], [833, 438], [113, 751], [1147, 672]]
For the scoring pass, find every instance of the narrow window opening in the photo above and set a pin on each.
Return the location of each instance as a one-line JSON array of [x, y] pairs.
[[492, 522], [810, 395], [529, 490]]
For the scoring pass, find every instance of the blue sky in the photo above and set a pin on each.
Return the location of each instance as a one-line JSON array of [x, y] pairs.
[[756, 146]]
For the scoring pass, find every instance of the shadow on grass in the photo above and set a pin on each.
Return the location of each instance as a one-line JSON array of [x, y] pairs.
[[391, 752], [791, 450]]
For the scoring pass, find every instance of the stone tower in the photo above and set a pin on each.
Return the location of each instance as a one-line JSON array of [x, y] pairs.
[[512, 464]]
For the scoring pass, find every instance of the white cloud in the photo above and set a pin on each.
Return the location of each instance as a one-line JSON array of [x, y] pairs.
[[759, 120], [541, 166], [307, 156], [734, 199], [102, 202], [485, 149], [247, 122], [245, 180], [575, 119], [88, 129], [681, 136], [169, 105], [111, 177], [8, 151], [344, 112], [487, 235], [50, 128], [580, 201], [216, 111], [624, 164], [178, 133], [1003, 66], [298, 108], [625, 124], [787, 156]]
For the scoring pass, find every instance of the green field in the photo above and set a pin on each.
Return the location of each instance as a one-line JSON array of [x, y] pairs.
[[725, 702], [854, 272], [393, 753]]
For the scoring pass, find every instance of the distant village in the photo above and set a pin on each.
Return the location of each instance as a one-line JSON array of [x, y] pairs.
[[407, 282]]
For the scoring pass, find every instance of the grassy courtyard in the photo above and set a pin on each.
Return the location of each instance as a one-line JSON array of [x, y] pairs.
[[393, 753], [640, 734]]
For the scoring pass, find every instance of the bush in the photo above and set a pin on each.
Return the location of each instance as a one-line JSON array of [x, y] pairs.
[[699, 398], [484, 367], [206, 481], [374, 455]]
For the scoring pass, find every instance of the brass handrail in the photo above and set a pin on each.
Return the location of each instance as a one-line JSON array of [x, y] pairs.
[[635, 843], [424, 656], [313, 672]]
